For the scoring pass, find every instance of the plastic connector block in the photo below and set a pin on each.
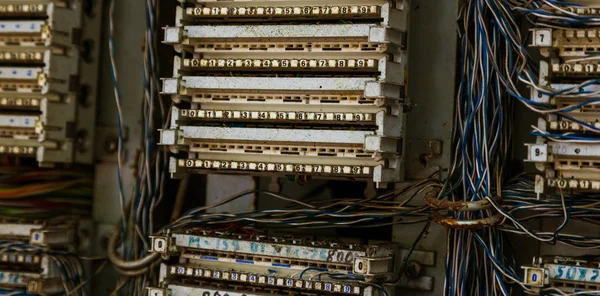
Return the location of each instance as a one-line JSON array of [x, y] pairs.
[[40, 74], [60, 233], [288, 256], [569, 51], [323, 97], [568, 165], [568, 275], [273, 263], [25, 270]]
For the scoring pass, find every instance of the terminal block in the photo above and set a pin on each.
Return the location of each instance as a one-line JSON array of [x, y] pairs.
[[33, 252], [59, 234], [568, 275], [570, 60], [291, 88], [33, 271], [568, 165], [41, 81], [571, 52], [261, 263]]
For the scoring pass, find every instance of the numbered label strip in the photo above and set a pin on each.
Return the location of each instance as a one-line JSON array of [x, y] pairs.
[[275, 167], [18, 121], [21, 258], [566, 125], [19, 150], [291, 64], [178, 290], [574, 184], [25, 103], [16, 278], [268, 249], [281, 115], [576, 69], [283, 11], [16, 73], [23, 9], [574, 273], [21, 56], [269, 280], [19, 27]]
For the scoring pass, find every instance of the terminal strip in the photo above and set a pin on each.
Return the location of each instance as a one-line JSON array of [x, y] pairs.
[[296, 93], [568, 275], [273, 263], [177, 289], [570, 51], [375, 261], [33, 271], [40, 77], [569, 60], [568, 165], [60, 233]]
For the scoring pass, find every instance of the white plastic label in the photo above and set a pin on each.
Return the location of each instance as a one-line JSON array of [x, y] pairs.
[[542, 37], [538, 153]]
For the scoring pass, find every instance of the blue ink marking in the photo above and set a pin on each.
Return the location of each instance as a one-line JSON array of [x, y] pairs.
[[347, 289], [2, 26], [194, 242], [327, 287], [236, 245], [271, 280], [244, 261], [32, 26], [594, 275], [180, 270], [289, 282], [234, 276], [225, 245], [14, 72], [36, 236], [12, 120], [280, 265], [206, 242], [29, 73], [27, 122], [253, 278], [323, 254], [571, 273], [582, 273], [209, 258], [253, 247]]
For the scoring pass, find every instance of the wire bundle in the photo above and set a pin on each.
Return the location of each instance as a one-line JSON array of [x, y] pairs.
[[137, 222], [494, 60], [476, 258], [337, 213], [45, 193]]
